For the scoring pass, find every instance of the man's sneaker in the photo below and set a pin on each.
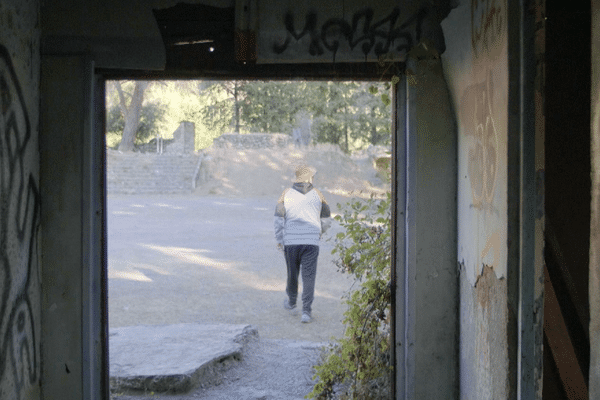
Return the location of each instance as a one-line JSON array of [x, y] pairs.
[[305, 318], [287, 305]]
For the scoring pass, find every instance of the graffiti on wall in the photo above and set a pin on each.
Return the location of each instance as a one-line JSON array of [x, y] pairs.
[[488, 30], [483, 122], [378, 37], [479, 124], [19, 223]]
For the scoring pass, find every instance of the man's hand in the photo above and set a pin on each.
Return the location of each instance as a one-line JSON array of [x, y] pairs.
[[279, 246]]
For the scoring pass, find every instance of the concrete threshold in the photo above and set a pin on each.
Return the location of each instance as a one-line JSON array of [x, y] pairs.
[[174, 358]]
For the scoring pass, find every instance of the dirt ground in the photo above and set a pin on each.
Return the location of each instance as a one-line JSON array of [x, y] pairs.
[[176, 259], [266, 172], [211, 257]]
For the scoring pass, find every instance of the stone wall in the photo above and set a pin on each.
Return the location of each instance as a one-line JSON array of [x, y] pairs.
[[252, 141], [137, 173]]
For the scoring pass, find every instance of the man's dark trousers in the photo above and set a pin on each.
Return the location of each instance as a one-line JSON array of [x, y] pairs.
[[304, 255]]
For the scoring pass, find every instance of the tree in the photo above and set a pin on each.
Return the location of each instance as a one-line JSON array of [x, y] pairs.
[[273, 106], [225, 104], [151, 118], [131, 112], [349, 114], [336, 114]]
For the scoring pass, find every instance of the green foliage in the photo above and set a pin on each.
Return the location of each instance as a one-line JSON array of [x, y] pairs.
[[360, 360], [152, 115], [218, 100], [349, 114]]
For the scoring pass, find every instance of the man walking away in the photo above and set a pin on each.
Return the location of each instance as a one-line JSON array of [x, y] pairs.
[[301, 216]]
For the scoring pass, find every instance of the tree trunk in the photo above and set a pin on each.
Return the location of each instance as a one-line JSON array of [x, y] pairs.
[[346, 129], [236, 106], [131, 113], [375, 138]]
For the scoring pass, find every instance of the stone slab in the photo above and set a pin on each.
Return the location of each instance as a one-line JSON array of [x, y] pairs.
[[174, 358]]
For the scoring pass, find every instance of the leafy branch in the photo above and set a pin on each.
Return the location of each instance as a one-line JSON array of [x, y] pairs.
[[360, 360]]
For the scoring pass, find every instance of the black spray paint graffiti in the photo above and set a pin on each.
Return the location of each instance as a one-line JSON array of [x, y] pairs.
[[381, 37], [19, 219]]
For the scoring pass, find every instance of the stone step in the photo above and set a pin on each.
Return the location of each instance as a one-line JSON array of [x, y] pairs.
[[174, 358], [150, 173]]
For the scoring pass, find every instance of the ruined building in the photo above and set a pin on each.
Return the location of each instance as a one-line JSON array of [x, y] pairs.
[[496, 152]]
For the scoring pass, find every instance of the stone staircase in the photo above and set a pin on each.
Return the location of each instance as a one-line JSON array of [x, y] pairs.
[[139, 173]]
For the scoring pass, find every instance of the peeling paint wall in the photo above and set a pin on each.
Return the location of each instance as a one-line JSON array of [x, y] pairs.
[[476, 68], [484, 346], [477, 72], [19, 200]]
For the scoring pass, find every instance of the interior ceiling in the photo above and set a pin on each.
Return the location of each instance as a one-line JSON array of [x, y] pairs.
[[199, 42]]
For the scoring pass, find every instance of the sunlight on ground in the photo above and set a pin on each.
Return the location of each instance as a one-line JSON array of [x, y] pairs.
[[124, 213], [132, 272], [189, 255], [133, 275], [192, 256], [168, 206], [269, 163], [220, 203]]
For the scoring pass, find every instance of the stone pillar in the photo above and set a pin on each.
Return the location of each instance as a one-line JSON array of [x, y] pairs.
[[185, 137]]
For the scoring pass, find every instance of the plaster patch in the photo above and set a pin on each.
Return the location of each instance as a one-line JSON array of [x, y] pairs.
[[484, 284]]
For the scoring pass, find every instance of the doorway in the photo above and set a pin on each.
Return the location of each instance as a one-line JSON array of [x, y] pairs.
[[207, 261]]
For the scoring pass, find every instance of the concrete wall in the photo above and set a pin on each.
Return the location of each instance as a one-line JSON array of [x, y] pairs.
[[20, 337], [476, 64], [342, 31], [476, 67], [309, 31], [432, 284], [124, 35], [500, 195], [72, 197], [594, 285]]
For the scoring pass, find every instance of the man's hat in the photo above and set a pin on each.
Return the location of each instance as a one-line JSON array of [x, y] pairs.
[[304, 173]]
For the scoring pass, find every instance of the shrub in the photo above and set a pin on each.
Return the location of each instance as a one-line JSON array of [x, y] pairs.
[[360, 361]]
